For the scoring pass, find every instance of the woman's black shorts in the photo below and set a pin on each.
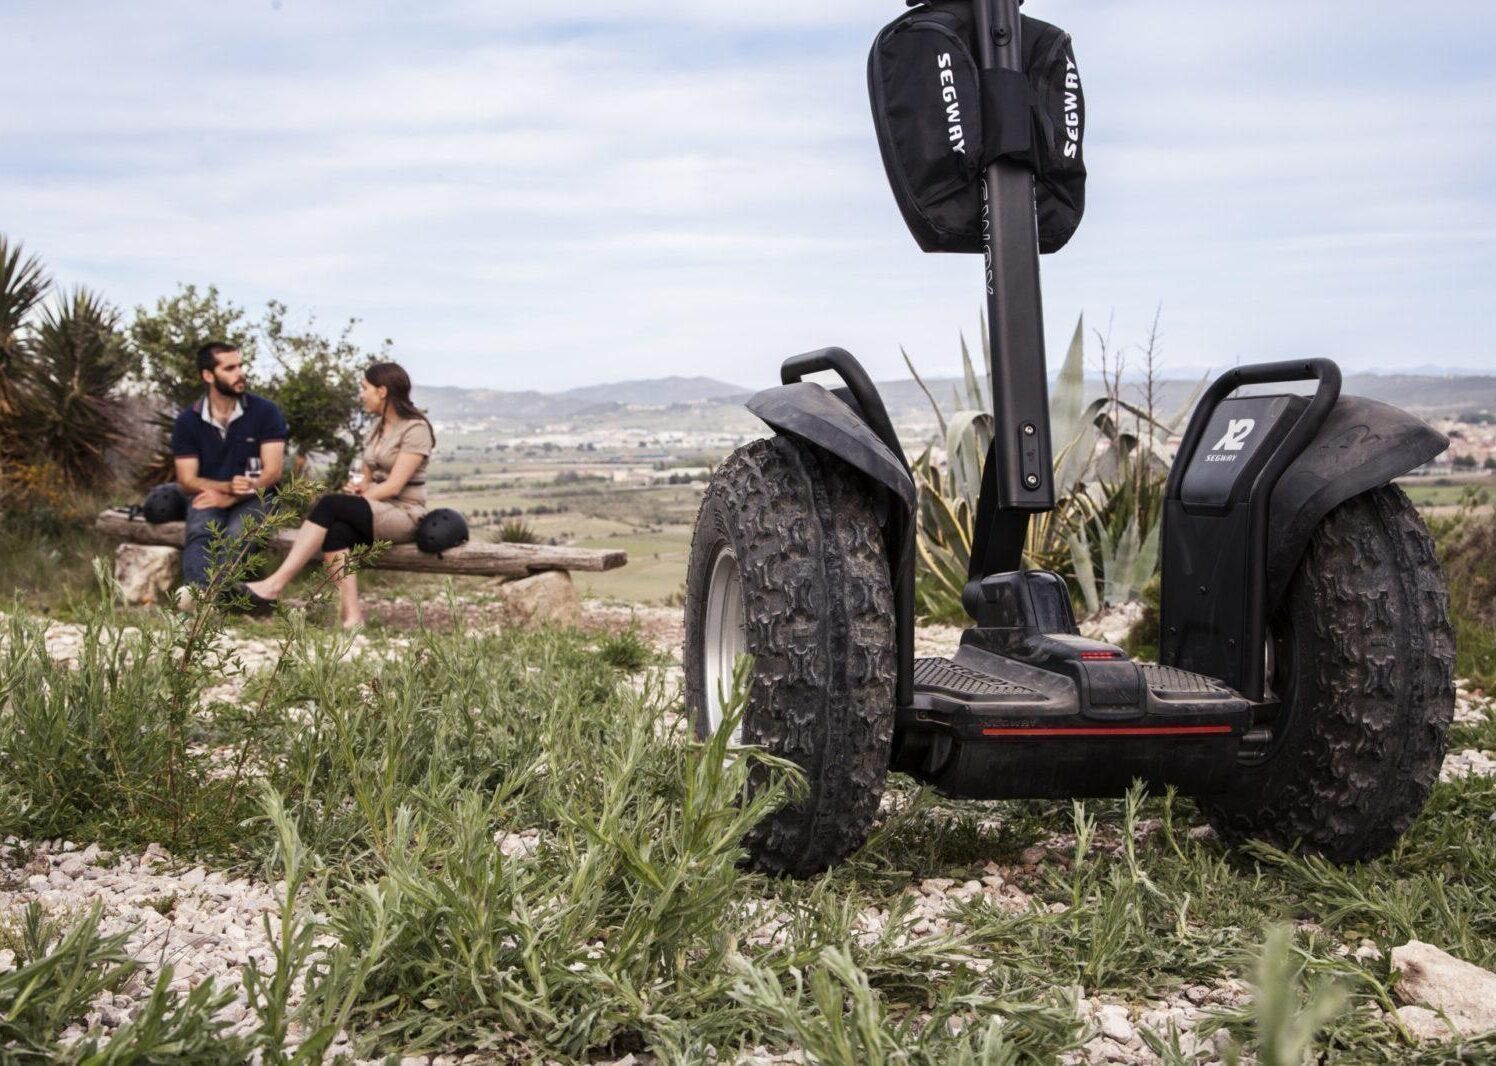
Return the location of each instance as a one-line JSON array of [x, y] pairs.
[[349, 521]]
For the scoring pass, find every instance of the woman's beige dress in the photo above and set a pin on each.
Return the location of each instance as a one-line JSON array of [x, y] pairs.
[[395, 519]]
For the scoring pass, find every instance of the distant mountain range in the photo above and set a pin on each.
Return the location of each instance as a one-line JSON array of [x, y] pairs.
[[621, 402], [447, 403]]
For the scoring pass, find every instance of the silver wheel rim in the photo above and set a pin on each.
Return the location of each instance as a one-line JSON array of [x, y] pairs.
[[725, 637]]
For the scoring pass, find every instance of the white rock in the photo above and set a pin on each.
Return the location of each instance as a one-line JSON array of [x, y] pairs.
[[146, 573], [1424, 1024], [1114, 1023], [548, 598], [1112, 624], [1434, 978]]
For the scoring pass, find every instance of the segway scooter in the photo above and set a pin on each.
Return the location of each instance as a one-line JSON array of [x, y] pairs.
[[1304, 688]]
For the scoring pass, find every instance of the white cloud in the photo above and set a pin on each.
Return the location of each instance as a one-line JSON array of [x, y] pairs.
[[523, 195]]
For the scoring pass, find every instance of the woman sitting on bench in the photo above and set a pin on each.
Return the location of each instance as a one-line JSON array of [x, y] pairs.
[[384, 502]]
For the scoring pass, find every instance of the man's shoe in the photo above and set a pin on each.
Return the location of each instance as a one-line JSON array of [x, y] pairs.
[[239, 592]]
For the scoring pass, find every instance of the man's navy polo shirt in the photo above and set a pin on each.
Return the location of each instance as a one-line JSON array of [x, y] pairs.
[[221, 455]]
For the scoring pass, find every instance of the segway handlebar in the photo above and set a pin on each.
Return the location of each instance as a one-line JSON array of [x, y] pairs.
[[1308, 424], [864, 392]]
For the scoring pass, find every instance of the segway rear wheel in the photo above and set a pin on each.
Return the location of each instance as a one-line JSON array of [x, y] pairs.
[[787, 566], [1362, 659]]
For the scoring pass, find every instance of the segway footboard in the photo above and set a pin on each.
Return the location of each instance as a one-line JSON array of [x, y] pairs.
[[1030, 708]]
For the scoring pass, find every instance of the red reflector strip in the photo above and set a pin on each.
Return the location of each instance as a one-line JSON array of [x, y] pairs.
[[1093, 655], [1129, 731]]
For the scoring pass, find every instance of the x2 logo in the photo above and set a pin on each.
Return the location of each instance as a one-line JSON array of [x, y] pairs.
[[1235, 437]]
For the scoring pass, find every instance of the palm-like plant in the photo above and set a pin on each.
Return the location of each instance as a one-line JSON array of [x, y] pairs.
[[23, 283], [948, 496], [1111, 460], [68, 403]]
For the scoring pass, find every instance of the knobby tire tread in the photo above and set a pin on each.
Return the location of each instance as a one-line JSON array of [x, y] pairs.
[[818, 605], [1372, 697]]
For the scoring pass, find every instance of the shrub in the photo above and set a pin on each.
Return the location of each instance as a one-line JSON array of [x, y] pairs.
[[1467, 550], [517, 532]]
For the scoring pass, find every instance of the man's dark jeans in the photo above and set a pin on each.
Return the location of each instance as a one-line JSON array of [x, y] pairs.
[[203, 524]]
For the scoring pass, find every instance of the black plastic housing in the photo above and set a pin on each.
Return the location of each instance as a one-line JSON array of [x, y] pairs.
[[1215, 526]]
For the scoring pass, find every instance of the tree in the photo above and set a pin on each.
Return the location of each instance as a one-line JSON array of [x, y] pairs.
[[1490, 463], [167, 338], [315, 382], [312, 378], [1464, 462]]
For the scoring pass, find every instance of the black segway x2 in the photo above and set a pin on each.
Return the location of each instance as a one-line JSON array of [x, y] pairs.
[[1304, 689]]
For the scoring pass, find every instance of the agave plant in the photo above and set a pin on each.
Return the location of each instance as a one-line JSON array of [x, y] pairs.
[[949, 489], [1115, 550], [76, 360], [1111, 460]]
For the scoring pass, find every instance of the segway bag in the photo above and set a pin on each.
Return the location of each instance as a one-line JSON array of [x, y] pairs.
[[941, 120]]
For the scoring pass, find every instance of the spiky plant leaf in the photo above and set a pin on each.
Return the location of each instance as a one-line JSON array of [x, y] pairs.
[[1069, 389], [974, 397], [23, 283], [968, 438], [68, 401], [939, 414]]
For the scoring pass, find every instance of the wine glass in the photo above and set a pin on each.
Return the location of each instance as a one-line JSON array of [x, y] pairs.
[[252, 468]]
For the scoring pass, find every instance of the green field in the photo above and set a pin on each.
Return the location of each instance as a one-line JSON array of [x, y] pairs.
[[1446, 491], [564, 497]]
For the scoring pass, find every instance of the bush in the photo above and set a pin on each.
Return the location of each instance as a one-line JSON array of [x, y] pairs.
[[516, 531], [1467, 550]]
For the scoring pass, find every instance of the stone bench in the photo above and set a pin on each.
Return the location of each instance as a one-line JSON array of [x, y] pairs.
[[148, 577]]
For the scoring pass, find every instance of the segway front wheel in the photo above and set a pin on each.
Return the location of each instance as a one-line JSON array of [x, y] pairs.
[[787, 566], [1361, 657]]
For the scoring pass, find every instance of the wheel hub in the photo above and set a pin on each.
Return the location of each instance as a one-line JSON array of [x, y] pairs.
[[726, 637]]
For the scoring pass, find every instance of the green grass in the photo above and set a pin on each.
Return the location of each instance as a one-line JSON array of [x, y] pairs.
[[381, 784], [656, 570], [48, 567], [1443, 492]]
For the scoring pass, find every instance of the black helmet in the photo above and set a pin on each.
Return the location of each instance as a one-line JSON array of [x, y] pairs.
[[164, 503], [441, 530]]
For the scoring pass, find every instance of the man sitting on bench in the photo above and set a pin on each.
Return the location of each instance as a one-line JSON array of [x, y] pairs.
[[228, 447]]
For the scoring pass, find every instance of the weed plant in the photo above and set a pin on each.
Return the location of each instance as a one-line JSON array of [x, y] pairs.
[[506, 843]]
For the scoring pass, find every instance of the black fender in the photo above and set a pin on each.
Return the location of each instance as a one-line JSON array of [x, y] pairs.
[[1362, 444], [817, 416], [827, 421]]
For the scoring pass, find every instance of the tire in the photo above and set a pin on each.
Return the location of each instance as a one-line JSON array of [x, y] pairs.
[[799, 529], [1363, 661]]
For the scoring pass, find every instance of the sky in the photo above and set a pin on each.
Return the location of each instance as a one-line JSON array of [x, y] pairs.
[[530, 195]]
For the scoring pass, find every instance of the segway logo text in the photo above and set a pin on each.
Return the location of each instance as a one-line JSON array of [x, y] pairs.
[[1233, 440], [1072, 109], [952, 103]]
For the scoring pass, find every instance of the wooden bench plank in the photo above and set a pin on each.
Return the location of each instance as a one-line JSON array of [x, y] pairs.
[[492, 560]]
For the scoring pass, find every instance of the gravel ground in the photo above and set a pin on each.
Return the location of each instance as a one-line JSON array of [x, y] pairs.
[[207, 925]]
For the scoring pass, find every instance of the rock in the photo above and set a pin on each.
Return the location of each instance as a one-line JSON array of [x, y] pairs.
[[1424, 1024], [146, 572], [1113, 1021], [1110, 625], [547, 598], [1430, 977]]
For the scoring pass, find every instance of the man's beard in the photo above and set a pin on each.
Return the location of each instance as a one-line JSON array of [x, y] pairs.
[[230, 391]]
